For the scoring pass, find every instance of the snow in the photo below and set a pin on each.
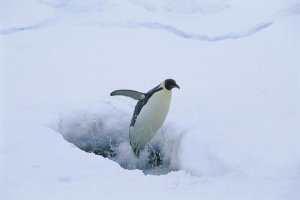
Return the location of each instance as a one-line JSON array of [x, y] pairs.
[[233, 128]]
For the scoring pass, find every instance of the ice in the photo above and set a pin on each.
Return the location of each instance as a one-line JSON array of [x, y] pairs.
[[232, 131]]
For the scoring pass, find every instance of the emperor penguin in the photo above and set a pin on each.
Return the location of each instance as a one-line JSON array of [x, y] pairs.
[[150, 112]]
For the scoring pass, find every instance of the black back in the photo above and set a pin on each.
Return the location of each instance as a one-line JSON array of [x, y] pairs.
[[141, 103]]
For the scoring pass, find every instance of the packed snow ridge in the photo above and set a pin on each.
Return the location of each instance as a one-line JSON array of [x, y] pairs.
[[167, 7]]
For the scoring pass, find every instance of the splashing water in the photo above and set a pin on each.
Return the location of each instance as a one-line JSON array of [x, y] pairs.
[[104, 131]]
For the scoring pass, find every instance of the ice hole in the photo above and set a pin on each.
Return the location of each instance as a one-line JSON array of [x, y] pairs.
[[104, 132]]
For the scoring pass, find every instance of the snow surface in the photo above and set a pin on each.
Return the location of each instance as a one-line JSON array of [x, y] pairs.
[[232, 131]]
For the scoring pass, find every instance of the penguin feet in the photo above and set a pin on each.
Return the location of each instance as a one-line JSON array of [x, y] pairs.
[[106, 151], [154, 158]]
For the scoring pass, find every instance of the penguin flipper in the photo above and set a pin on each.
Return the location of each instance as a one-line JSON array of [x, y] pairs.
[[129, 93]]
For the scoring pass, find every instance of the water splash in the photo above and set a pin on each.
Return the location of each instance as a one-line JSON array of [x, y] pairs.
[[105, 132]]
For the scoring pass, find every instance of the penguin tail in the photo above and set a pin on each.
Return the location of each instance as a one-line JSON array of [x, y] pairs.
[[136, 152], [136, 149]]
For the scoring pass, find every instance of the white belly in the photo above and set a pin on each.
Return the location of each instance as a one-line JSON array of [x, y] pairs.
[[151, 118]]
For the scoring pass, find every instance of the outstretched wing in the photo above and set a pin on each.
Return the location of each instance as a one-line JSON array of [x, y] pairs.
[[129, 93]]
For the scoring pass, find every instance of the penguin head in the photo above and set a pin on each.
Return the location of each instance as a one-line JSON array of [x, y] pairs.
[[170, 84]]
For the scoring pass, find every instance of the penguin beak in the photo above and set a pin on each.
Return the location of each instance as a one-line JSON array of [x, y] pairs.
[[177, 86]]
